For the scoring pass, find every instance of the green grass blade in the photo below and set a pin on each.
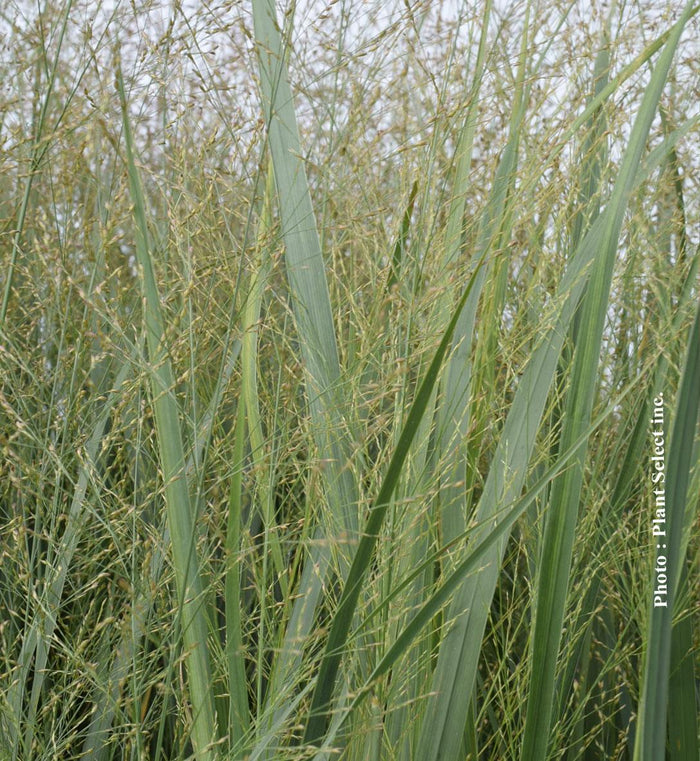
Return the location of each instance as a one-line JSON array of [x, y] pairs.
[[342, 620], [195, 627], [554, 571], [651, 729], [459, 653], [40, 633], [250, 400], [467, 565], [239, 712], [315, 329], [683, 708], [457, 661], [249, 356], [39, 148], [106, 697], [400, 245], [452, 419], [305, 267]]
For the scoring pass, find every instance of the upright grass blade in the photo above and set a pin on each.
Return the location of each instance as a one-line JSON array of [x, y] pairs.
[[239, 712], [390, 722], [467, 565], [195, 627], [39, 148], [40, 632], [305, 268], [400, 245], [459, 652], [96, 746], [631, 456], [250, 402], [683, 708], [594, 149], [423, 459], [271, 544], [452, 419], [651, 729], [450, 416], [319, 714], [315, 330], [553, 574]]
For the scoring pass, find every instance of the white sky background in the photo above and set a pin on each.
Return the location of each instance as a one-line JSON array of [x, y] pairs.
[[212, 39], [392, 63], [392, 69]]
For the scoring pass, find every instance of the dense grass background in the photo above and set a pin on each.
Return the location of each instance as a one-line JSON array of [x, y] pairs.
[[329, 336]]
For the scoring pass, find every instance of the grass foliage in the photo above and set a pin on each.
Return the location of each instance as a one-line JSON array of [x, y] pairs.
[[330, 336]]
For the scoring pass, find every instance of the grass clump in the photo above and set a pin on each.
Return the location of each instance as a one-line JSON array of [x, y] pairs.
[[329, 343]]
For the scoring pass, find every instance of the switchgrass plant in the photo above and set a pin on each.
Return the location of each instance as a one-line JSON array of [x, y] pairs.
[[337, 344]]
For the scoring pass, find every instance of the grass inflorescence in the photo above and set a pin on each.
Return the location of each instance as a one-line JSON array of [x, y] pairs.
[[330, 340]]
